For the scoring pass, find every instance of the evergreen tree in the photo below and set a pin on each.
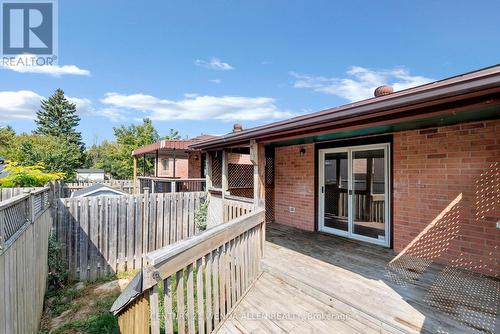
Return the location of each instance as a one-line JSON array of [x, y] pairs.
[[58, 118]]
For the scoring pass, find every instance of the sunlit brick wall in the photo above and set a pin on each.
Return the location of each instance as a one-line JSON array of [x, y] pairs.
[[447, 195]]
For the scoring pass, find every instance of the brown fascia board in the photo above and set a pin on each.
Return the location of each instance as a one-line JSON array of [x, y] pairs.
[[482, 82]]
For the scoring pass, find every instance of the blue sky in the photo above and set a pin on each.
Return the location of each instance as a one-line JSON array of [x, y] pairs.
[[200, 66]]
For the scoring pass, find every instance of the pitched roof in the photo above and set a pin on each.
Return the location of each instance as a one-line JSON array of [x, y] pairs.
[[89, 170], [461, 87], [173, 144], [95, 188]]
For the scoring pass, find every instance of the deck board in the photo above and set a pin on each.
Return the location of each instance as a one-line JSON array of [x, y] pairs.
[[315, 273]]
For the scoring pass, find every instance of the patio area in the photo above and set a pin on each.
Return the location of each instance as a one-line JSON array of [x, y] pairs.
[[317, 283]]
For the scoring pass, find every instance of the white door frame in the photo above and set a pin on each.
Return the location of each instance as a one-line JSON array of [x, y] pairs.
[[321, 195]]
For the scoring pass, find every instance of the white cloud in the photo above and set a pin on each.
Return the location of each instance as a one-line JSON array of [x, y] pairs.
[[213, 64], [215, 81], [224, 108], [83, 105], [359, 82], [24, 104], [23, 64], [21, 104]]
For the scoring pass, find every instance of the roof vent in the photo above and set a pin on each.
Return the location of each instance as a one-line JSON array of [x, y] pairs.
[[237, 128], [383, 90]]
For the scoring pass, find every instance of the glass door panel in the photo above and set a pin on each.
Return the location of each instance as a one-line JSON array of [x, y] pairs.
[[369, 193], [336, 191]]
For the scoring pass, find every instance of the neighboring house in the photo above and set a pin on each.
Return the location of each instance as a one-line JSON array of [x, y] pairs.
[[90, 175], [415, 170], [173, 158], [97, 190]]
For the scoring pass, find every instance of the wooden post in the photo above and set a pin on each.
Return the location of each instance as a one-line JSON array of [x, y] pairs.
[[209, 170], [144, 165], [174, 164], [135, 175], [225, 173], [156, 164], [258, 158]]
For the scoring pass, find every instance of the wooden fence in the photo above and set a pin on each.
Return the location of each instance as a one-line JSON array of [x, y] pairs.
[[6, 193], [24, 228], [192, 286], [105, 235], [123, 185]]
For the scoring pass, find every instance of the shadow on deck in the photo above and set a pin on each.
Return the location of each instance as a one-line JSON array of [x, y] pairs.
[[316, 283]]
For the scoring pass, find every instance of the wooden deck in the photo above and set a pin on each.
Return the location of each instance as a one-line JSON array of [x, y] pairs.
[[316, 283]]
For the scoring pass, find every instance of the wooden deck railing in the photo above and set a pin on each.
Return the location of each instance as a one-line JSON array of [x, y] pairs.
[[194, 284], [235, 207], [170, 185]]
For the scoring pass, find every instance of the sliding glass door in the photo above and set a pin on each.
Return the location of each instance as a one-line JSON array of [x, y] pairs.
[[354, 192]]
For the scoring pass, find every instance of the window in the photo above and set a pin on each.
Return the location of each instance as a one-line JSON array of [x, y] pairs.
[[164, 164]]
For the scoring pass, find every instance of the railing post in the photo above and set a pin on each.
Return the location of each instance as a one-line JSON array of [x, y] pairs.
[[2, 229], [29, 205], [173, 186]]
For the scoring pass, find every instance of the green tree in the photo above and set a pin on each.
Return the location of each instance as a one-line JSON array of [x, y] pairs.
[[57, 154], [27, 176], [7, 135], [173, 134], [116, 157], [57, 117]]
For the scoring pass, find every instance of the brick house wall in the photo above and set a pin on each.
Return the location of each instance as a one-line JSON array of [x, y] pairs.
[[181, 167], [447, 195], [194, 168], [294, 186]]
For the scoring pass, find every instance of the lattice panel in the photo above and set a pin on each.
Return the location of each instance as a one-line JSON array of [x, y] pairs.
[[269, 189], [269, 171], [14, 216], [242, 192], [240, 176], [216, 169]]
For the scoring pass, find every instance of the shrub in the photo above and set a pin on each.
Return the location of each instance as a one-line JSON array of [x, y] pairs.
[[200, 217], [27, 176], [58, 274]]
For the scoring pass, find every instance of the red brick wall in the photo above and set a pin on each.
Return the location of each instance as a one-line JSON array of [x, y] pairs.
[[181, 167], [294, 186], [447, 195], [194, 168]]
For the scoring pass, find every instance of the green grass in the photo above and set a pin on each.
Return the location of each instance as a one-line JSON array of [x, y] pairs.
[[101, 321]]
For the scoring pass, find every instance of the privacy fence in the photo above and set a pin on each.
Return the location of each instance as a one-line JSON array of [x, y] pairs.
[[126, 186], [105, 235], [24, 230]]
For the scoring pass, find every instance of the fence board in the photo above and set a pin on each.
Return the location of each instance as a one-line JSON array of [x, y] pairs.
[[113, 233], [23, 273]]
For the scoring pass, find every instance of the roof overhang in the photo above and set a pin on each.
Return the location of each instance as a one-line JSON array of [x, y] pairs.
[[472, 91], [166, 145]]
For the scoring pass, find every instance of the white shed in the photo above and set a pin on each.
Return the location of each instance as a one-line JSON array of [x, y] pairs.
[[90, 175]]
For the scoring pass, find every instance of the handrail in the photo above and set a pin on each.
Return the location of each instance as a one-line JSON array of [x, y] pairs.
[[212, 270], [166, 261]]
